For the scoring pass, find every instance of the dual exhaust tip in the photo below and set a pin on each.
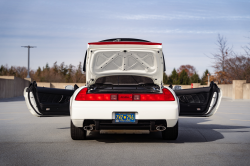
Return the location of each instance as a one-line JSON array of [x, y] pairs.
[[158, 128], [88, 128]]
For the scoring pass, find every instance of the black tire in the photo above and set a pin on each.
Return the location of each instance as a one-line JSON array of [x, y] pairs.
[[171, 133], [77, 133]]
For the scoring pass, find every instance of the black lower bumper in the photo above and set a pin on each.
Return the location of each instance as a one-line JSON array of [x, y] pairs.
[[140, 125]]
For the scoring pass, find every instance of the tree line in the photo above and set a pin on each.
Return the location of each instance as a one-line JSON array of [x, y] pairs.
[[56, 73], [185, 75], [228, 65]]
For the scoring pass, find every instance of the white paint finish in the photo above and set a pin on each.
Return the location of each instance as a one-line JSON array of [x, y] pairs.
[[139, 60], [168, 110], [171, 122], [33, 102], [105, 109], [136, 61], [213, 108], [78, 122]]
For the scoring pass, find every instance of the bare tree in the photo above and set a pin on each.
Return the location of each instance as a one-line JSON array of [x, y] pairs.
[[247, 49], [220, 58], [222, 55], [238, 68]]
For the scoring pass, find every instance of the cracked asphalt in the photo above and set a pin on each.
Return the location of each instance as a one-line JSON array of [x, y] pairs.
[[223, 139]]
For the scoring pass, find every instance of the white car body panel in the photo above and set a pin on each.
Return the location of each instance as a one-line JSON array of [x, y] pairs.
[[33, 103], [214, 106], [139, 60], [156, 110]]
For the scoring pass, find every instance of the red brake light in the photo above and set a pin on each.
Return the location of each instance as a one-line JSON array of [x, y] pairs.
[[81, 96], [168, 96], [165, 96]]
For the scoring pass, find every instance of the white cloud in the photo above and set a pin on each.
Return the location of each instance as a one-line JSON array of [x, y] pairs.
[[178, 17], [178, 31]]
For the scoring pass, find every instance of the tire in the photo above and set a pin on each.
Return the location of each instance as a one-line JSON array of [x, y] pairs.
[[77, 133], [171, 133]]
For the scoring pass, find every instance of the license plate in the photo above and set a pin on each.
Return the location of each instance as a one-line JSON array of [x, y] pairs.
[[125, 118]]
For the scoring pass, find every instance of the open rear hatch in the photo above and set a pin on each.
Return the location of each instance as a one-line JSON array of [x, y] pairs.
[[105, 59]]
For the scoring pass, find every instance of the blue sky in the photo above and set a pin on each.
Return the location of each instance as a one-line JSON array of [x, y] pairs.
[[61, 29]]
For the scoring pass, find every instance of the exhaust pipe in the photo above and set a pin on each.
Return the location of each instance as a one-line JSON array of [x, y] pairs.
[[161, 128], [88, 128]]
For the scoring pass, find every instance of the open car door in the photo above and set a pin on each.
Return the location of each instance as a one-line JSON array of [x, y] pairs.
[[199, 101], [47, 102]]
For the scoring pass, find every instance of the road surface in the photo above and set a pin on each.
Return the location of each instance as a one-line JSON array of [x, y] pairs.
[[223, 139]]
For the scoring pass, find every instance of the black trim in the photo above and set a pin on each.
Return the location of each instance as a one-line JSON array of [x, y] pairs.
[[113, 121], [192, 91], [84, 63], [164, 66], [140, 125], [124, 39]]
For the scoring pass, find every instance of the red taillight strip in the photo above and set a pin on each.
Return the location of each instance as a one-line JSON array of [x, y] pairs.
[[165, 96], [136, 43], [81, 96]]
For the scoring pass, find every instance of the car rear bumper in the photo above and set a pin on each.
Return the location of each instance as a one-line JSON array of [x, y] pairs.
[[105, 110]]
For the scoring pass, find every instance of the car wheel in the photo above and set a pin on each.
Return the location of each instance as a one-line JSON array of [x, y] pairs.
[[171, 133], [77, 133]]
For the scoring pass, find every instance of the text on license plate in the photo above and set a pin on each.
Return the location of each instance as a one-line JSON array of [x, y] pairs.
[[124, 117]]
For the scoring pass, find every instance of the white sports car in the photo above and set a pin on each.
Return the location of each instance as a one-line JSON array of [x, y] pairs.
[[124, 91]]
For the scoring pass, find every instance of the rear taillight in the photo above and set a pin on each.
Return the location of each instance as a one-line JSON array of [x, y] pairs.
[[84, 96], [168, 96], [81, 96]]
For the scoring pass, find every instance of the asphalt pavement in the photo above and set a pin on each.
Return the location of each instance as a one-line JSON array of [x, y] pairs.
[[223, 139]]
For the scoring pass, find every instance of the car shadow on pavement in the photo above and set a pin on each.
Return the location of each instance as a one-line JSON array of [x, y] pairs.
[[13, 99], [64, 128], [189, 131]]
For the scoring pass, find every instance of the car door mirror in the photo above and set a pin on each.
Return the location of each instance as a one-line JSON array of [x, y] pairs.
[[177, 87], [69, 87]]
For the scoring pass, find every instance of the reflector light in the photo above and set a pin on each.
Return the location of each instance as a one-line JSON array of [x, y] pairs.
[[165, 96], [136, 97], [113, 97]]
